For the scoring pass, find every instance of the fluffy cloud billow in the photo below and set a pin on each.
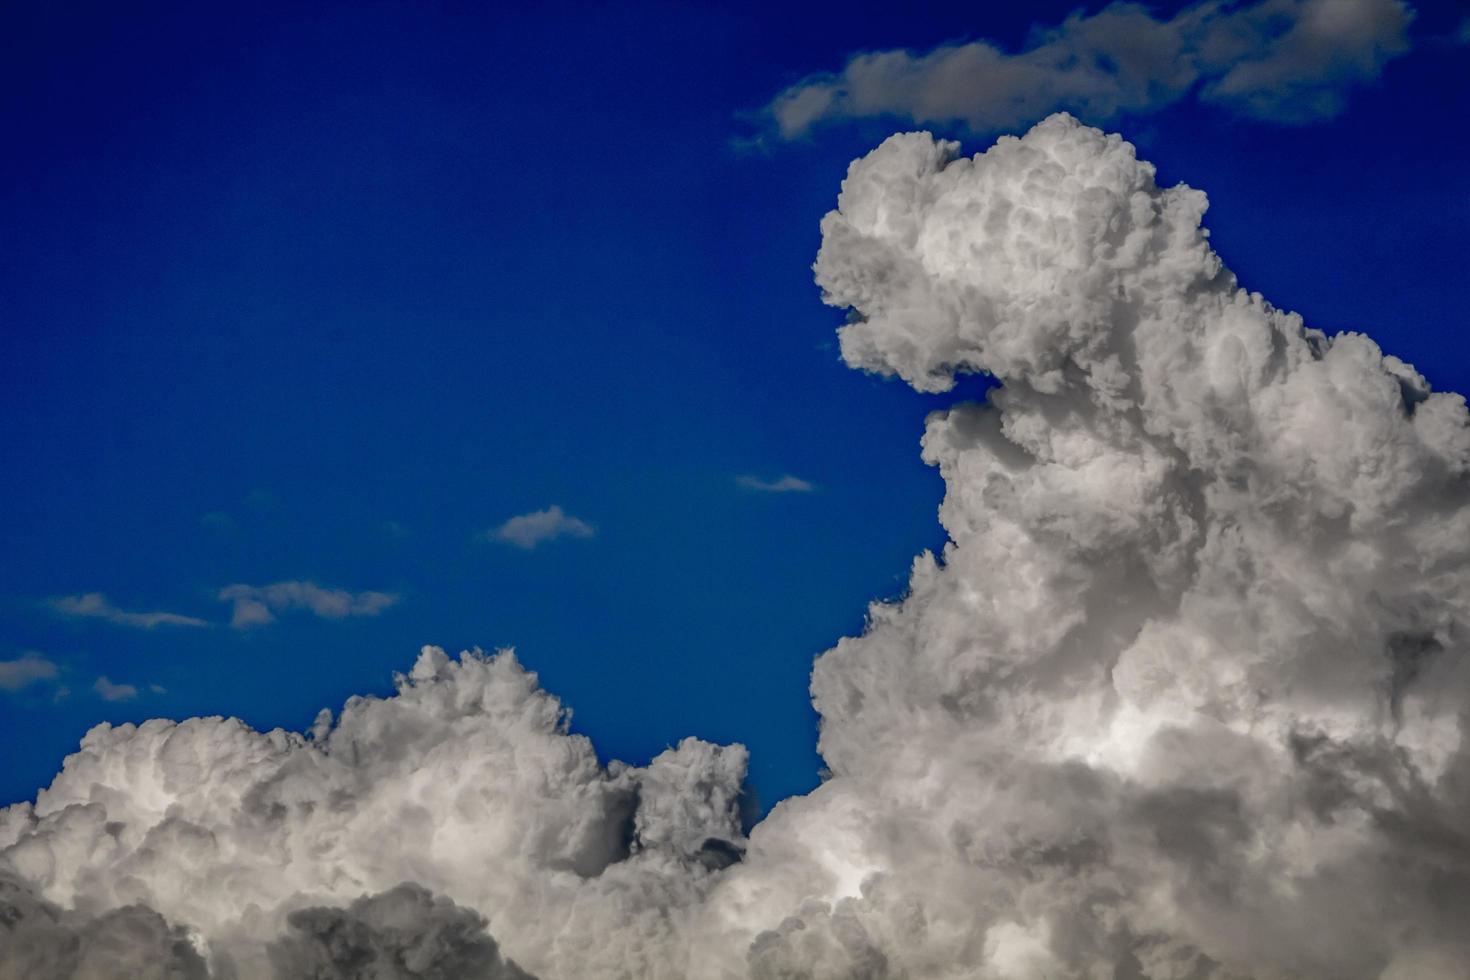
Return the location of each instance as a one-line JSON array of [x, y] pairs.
[[465, 785], [1183, 698]]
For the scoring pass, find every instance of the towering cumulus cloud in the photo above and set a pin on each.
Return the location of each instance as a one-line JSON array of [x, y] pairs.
[[1184, 698]]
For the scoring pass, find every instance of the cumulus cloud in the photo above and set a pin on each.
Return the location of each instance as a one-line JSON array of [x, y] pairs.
[[466, 783], [109, 691], [1287, 61], [256, 605], [32, 668], [529, 530], [94, 605], [1183, 696], [784, 484]]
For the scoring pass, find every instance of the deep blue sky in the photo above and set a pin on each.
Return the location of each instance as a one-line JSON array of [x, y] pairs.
[[321, 293]]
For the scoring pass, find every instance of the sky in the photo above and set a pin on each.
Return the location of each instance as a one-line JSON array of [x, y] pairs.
[[969, 542], [329, 331]]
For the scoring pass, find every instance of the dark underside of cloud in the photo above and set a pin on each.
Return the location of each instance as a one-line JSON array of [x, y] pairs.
[[1184, 696], [404, 933]]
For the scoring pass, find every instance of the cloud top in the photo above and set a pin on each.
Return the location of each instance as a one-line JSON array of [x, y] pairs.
[[1284, 61], [526, 531]]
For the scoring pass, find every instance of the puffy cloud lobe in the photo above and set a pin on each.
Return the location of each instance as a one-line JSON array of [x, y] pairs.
[[401, 934], [257, 605], [1184, 696], [526, 531], [1290, 61]]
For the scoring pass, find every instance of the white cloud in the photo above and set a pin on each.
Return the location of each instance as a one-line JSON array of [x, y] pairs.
[[29, 669], [1290, 61], [1184, 695], [256, 605], [1200, 631], [466, 782], [94, 605], [784, 484], [108, 691], [529, 530]]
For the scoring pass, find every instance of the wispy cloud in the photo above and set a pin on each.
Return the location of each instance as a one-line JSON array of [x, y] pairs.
[[94, 605], [529, 530], [108, 691], [784, 484], [256, 605], [1286, 61], [29, 669]]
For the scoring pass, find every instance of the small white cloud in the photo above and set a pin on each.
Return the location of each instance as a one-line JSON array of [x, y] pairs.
[[29, 669], [528, 530], [785, 484], [256, 605], [108, 691], [94, 605]]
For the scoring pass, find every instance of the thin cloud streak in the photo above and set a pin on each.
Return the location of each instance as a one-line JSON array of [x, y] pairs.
[[95, 605], [257, 605], [784, 484]]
